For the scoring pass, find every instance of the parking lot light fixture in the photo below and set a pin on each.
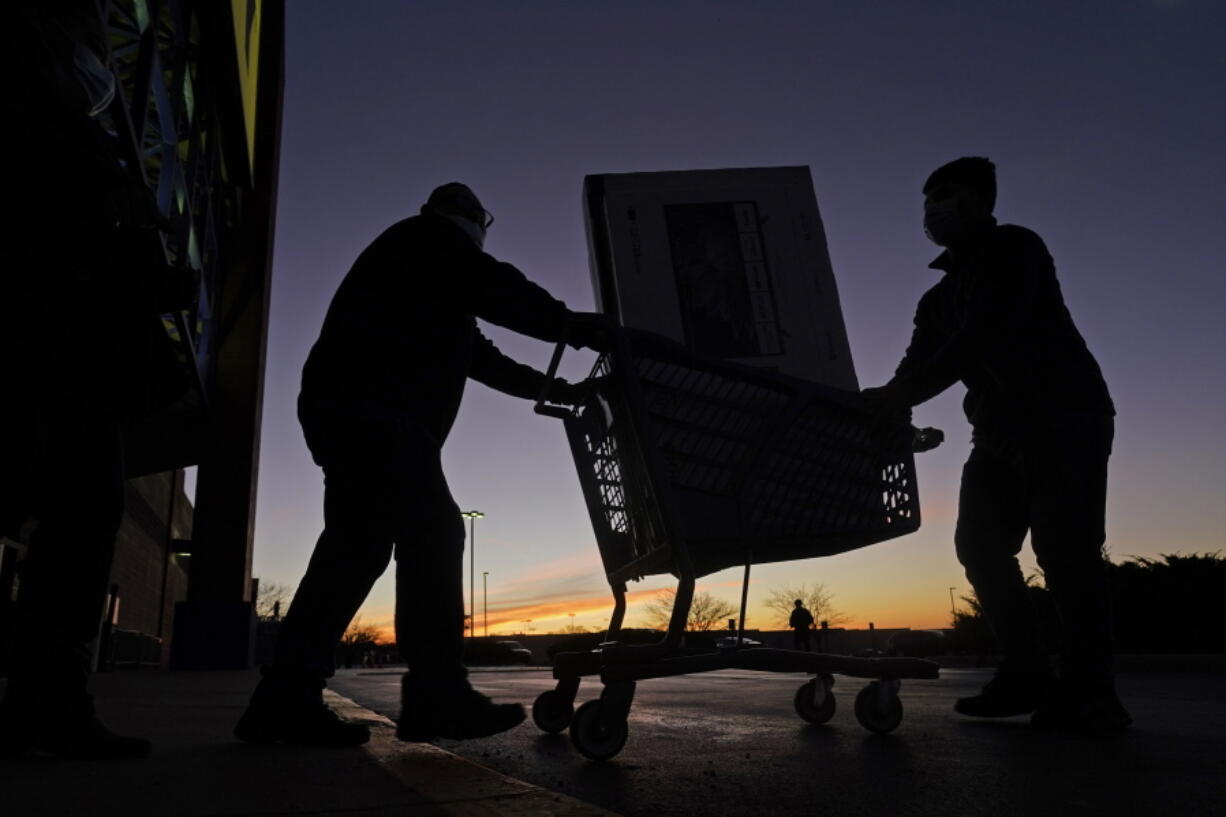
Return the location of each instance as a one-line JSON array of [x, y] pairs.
[[472, 517]]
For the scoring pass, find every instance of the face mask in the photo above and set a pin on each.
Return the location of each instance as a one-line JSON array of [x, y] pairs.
[[943, 222], [470, 228]]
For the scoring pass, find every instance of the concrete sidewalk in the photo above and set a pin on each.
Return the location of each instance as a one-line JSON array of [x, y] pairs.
[[198, 769]]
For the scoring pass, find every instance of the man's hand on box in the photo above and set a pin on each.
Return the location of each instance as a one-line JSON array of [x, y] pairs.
[[590, 330], [571, 394], [927, 439], [888, 401]]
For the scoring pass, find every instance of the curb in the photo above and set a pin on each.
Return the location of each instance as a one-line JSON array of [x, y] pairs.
[[455, 785]]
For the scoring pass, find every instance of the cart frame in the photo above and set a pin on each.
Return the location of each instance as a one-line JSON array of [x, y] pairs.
[[625, 484]]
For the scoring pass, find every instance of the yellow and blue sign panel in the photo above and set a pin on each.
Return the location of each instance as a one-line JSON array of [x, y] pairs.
[[246, 14]]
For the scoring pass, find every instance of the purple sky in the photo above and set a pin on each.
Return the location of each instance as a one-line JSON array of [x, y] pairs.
[[1106, 121]]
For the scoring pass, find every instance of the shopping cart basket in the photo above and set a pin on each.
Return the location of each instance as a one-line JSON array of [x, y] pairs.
[[689, 466]]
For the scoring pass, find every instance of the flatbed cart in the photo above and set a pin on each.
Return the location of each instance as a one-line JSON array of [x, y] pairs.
[[689, 466]]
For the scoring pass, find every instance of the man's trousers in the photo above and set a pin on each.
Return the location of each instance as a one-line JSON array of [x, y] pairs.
[[384, 491], [1055, 488]]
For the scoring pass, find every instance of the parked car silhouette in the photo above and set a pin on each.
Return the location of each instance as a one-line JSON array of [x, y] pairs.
[[483, 651], [729, 642], [917, 643], [583, 642]]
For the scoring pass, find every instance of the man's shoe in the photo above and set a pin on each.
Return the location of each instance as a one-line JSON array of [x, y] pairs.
[[309, 724], [288, 707], [1009, 693], [459, 715], [73, 732], [1087, 713]]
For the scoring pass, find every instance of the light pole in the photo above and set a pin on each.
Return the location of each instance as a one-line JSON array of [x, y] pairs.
[[472, 517], [572, 621], [953, 611], [485, 600]]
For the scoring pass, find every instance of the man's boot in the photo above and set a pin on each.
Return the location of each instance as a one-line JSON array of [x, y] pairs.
[[453, 710], [1018, 688], [290, 708], [65, 726]]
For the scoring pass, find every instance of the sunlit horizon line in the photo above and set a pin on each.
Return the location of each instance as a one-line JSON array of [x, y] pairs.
[[555, 616], [542, 613], [387, 635], [568, 600]]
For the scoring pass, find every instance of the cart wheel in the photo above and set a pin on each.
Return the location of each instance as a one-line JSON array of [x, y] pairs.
[[592, 736], [816, 713], [877, 712], [552, 712]]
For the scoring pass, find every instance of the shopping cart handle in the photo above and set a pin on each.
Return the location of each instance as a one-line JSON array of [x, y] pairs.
[[542, 400], [547, 410]]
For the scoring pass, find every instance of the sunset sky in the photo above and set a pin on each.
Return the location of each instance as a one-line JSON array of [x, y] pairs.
[[1106, 121]]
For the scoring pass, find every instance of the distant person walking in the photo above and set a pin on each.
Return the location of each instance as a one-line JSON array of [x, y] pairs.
[[801, 622], [1042, 422], [380, 391]]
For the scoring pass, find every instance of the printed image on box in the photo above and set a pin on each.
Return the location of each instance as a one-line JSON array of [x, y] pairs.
[[732, 263], [727, 309]]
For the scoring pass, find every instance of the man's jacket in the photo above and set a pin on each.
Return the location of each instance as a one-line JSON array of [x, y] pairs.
[[997, 322], [801, 618], [401, 338]]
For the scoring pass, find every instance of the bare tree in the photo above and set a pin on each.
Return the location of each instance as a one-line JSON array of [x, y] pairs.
[[570, 629], [272, 600], [357, 643], [817, 599], [358, 634], [706, 612]]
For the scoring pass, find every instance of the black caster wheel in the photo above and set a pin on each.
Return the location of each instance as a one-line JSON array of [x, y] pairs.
[[552, 712], [878, 710], [816, 712], [593, 736]]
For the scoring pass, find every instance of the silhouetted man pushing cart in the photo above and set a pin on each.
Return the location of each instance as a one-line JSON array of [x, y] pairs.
[[1042, 422], [380, 391]]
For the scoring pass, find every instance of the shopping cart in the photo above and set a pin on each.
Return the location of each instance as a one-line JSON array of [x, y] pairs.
[[689, 466]]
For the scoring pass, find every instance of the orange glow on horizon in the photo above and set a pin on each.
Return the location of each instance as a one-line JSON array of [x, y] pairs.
[[593, 611]]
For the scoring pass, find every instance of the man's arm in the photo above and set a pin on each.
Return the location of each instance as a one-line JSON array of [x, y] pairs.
[[499, 293], [491, 367], [997, 305], [926, 340]]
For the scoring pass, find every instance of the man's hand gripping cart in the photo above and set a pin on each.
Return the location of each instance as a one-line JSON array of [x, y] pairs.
[[689, 466]]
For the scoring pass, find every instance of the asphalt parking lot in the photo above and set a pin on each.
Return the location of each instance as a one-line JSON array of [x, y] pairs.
[[730, 743]]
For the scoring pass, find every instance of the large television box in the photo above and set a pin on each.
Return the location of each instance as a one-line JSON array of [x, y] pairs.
[[732, 263]]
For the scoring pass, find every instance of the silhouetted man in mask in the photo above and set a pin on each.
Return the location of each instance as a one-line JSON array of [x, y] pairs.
[[1042, 424], [380, 391]]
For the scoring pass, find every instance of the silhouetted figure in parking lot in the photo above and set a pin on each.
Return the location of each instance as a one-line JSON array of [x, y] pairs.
[[81, 286], [380, 391], [801, 622], [1043, 424]]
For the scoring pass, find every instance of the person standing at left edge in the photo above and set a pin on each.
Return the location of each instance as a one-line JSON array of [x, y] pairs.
[[1043, 423], [380, 391], [83, 286]]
